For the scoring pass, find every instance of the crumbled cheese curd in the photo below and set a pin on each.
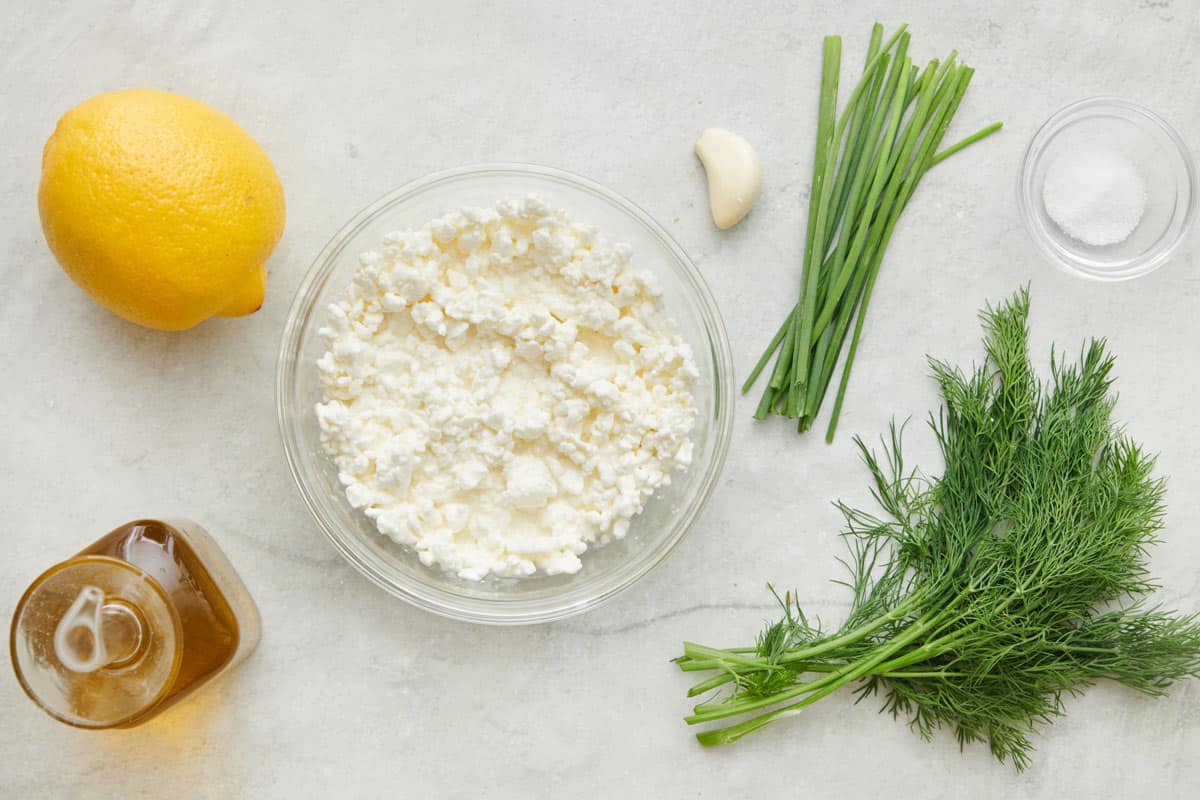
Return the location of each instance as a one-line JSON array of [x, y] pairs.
[[502, 390]]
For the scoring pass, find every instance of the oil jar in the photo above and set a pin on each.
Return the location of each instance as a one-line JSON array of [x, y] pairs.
[[131, 625]]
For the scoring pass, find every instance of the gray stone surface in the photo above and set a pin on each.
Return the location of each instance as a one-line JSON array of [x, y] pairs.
[[354, 694]]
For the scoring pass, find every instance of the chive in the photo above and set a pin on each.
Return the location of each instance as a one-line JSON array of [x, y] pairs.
[[779, 374], [852, 192], [817, 209], [856, 140], [766, 356], [982, 133], [867, 163], [918, 121], [951, 97], [877, 186]]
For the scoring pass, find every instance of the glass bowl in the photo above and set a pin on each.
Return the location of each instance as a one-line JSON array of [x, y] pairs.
[[606, 569], [1158, 153]]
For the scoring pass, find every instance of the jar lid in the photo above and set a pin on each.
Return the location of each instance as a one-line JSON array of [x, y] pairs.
[[95, 641]]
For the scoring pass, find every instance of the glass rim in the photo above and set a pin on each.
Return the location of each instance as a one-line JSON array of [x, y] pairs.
[[1136, 267], [153, 586]]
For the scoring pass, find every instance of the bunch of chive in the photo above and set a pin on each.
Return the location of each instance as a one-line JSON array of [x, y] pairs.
[[867, 166]]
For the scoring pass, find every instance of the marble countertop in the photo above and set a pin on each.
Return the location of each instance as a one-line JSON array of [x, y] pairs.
[[355, 694]]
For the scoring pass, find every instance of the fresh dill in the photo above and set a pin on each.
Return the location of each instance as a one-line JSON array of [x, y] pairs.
[[982, 597]]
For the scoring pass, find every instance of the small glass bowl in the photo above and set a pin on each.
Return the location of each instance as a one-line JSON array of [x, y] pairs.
[[606, 569], [1160, 156]]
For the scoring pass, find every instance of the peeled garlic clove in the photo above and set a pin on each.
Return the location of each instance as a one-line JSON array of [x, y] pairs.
[[734, 175]]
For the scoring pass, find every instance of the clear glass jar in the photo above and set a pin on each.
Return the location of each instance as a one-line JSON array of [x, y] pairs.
[[131, 625]]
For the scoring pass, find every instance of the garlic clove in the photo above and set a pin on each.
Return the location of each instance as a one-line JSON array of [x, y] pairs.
[[734, 175]]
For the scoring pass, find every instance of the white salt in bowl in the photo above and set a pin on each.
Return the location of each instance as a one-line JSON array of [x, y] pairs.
[[1161, 158]]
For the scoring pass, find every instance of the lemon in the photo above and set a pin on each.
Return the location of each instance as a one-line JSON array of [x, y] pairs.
[[160, 207]]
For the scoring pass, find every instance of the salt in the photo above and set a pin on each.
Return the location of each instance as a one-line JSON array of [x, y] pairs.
[[1094, 194]]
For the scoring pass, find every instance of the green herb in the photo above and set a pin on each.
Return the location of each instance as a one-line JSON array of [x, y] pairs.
[[867, 165], [985, 595]]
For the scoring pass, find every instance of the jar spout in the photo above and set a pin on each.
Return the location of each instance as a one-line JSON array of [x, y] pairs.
[[93, 633], [77, 640]]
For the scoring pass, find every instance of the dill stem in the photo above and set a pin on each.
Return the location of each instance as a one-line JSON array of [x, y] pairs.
[[814, 689], [939, 643], [714, 658], [824, 666]]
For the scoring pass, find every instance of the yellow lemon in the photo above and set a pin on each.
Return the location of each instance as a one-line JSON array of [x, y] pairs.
[[160, 207]]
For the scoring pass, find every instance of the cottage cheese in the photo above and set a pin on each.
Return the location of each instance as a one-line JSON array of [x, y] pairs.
[[502, 390]]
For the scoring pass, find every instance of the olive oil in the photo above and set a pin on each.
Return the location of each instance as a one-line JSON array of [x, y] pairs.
[[132, 624]]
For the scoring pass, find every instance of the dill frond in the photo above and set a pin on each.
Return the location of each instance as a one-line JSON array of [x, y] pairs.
[[982, 598]]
